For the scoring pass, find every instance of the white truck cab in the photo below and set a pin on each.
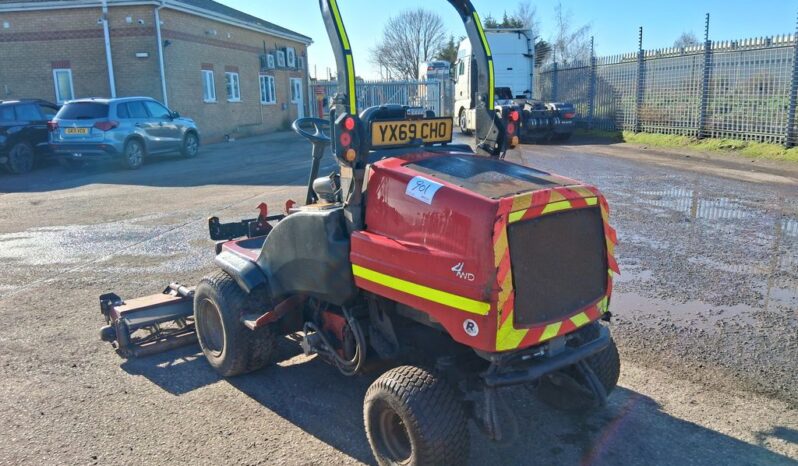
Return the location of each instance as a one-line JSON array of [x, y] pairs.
[[513, 53]]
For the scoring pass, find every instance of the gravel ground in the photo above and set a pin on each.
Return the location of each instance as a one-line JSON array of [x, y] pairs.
[[705, 320], [709, 264]]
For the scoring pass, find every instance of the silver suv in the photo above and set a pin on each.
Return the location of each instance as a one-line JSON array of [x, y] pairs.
[[127, 129]]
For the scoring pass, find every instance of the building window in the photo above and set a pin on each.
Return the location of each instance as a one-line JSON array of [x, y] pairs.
[[208, 87], [63, 85], [267, 93], [233, 88], [281, 59], [300, 63]]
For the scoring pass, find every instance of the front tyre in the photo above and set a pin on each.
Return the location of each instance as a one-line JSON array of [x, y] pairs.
[[190, 146], [229, 346], [414, 417]]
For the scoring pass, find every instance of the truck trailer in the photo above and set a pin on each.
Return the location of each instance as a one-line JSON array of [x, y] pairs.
[[514, 63]]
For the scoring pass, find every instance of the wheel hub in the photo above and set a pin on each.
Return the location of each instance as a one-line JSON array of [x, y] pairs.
[[211, 330], [394, 436]]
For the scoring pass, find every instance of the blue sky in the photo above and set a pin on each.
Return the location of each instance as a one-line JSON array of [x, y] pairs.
[[614, 22]]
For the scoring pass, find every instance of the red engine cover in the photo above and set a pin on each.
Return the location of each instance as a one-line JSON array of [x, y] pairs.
[[435, 244]]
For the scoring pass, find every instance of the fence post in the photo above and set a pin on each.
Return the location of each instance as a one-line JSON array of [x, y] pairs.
[[789, 140], [704, 99], [554, 82], [640, 77], [591, 91]]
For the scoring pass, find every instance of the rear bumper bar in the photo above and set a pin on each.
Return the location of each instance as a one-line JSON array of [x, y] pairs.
[[83, 151], [540, 367]]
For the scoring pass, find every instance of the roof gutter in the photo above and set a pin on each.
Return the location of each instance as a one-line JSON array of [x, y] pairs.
[[108, 59]]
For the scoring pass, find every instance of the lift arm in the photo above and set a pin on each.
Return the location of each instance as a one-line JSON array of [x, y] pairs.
[[490, 132]]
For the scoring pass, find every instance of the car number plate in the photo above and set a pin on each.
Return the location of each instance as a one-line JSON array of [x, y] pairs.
[[76, 130], [402, 132]]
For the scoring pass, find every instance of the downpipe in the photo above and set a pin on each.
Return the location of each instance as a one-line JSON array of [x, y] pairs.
[[158, 37], [108, 58]]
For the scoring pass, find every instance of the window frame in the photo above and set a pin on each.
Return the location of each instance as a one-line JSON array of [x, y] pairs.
[[237, 88], [212, 98], [268, 79], [146, 104], [29, 105], [280, 54], [59, 99], [42, 106]]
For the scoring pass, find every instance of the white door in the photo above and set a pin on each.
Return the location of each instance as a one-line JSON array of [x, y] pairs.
[[296, 97]]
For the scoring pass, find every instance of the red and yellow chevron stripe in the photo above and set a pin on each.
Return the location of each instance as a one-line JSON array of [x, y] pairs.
[[527, 206]]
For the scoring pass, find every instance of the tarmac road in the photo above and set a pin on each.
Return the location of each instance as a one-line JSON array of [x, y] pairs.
[[705, 318]]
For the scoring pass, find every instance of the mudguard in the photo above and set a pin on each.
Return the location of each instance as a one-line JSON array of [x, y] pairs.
[[245, 272]]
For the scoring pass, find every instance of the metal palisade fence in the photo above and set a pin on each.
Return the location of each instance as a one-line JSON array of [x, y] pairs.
[[434, 95], [742, 89]]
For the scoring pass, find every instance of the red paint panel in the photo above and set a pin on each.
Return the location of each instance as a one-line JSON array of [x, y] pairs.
[[422, 265], [457, 223], [451, 319]]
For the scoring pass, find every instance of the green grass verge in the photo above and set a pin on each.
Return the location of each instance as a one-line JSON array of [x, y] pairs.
[[751, 149]]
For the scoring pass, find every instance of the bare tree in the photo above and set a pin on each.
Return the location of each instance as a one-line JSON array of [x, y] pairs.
[[569, 43], [687, 39], [527, 15], [524, 17], [412, 37]]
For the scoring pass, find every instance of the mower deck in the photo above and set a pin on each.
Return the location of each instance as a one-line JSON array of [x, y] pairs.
[[150, 324]]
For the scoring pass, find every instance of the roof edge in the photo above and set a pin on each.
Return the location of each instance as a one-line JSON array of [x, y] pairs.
[[185, 8]]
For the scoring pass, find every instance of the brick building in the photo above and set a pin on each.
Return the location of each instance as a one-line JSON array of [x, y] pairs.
[[233, 73]]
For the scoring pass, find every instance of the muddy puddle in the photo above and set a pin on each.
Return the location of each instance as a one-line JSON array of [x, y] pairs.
[[700, 260]]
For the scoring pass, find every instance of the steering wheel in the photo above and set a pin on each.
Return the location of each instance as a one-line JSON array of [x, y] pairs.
[[320, 129]]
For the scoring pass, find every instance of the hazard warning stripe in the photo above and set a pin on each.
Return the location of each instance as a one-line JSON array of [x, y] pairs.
[[430, 294], [551, 207], [527, 206]]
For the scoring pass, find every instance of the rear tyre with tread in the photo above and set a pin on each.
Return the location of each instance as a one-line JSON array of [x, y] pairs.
[[414, 417], [229, 346]]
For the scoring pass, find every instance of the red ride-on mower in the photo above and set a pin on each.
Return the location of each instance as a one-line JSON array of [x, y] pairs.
[[465, 272]]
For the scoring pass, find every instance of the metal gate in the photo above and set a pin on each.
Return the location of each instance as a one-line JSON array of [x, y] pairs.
[[434, 95]]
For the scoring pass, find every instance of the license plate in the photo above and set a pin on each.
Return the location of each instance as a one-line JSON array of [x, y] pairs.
[[76, 130], [402, 132]]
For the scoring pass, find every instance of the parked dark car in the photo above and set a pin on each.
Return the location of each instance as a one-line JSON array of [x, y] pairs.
[[126, 129], [23, 132]]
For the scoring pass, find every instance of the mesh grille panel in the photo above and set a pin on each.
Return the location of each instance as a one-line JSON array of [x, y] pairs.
[[559, 265]]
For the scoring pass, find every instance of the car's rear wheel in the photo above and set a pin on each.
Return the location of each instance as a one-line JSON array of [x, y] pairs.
[[20, 158], [190, 145], [133, 156]]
